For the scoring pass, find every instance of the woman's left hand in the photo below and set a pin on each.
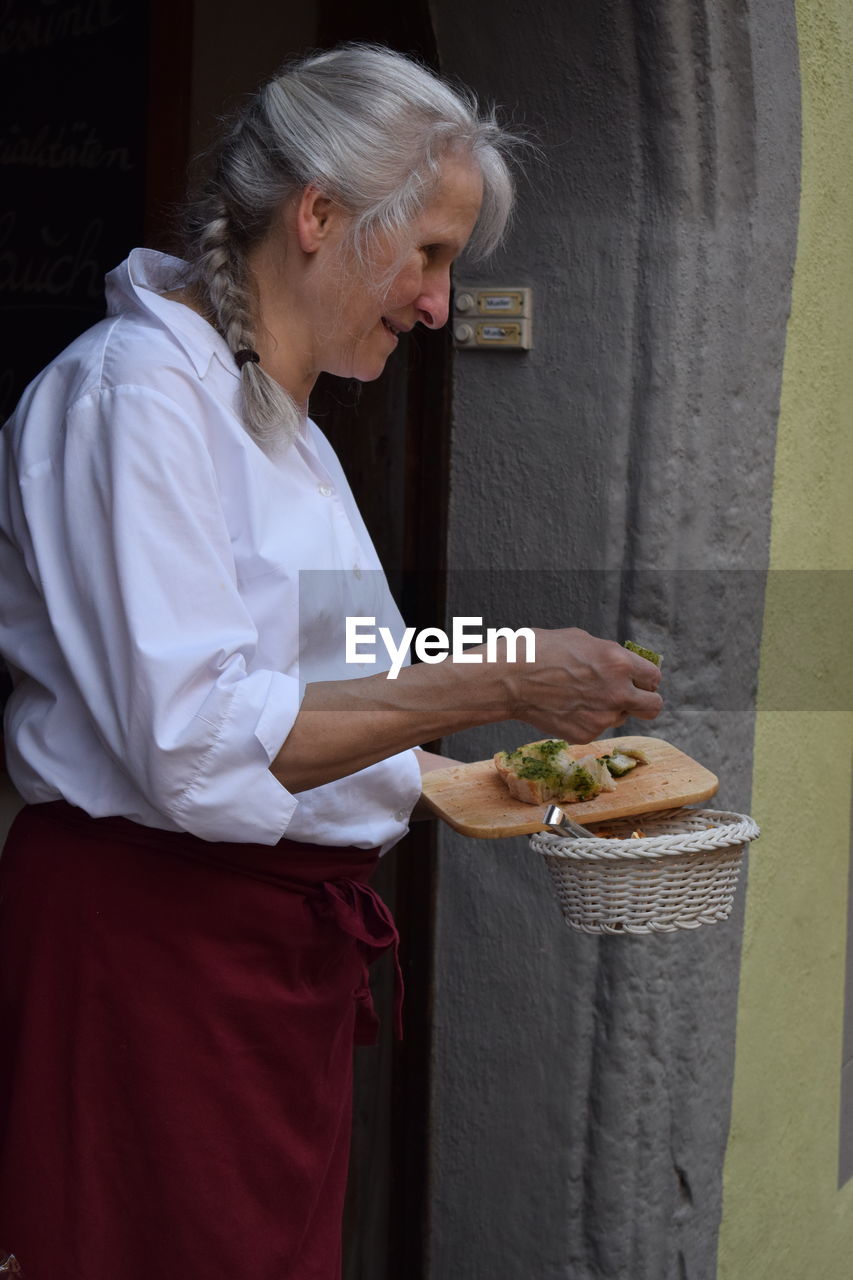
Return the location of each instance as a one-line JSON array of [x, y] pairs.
[[429, 760]]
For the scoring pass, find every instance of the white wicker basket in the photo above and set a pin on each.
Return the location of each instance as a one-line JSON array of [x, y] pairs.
[[681, 874]]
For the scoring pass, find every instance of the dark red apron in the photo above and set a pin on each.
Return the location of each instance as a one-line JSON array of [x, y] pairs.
[[176, 1029]]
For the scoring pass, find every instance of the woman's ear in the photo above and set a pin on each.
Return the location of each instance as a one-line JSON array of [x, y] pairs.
[[316, 214]]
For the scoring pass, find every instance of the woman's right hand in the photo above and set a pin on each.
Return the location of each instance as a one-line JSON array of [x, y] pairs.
[[579, 686], [576, 687]]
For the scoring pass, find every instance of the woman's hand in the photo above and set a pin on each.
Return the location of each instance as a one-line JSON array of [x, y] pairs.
[[579, 686], [427, 762]]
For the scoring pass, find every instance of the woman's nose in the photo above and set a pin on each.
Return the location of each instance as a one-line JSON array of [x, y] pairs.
[[433, 306]]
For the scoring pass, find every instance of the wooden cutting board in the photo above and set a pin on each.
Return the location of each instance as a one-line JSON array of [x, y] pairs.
[[472, 799]]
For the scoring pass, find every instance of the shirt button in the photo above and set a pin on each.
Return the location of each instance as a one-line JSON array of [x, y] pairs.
[[402, 815], [325, 490], [356, 570]]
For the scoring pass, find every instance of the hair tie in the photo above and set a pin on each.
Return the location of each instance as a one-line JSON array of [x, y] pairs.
[[241, 357]]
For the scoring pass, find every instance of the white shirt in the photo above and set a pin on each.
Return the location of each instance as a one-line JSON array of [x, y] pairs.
[[151, 613]]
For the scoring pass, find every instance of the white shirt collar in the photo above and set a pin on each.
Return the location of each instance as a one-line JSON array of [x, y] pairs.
[[138, 284]]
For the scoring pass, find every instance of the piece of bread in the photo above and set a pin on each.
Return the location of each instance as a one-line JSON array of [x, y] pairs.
[[545, 772]]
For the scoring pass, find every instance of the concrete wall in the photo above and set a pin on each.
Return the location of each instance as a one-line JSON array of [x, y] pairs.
[[786, 1216], [618, 476]]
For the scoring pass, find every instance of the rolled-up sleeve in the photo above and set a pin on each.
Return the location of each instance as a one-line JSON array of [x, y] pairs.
[[137, 571]]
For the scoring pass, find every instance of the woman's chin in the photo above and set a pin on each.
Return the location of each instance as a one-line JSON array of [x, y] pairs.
[[368, 370], [365, 365]]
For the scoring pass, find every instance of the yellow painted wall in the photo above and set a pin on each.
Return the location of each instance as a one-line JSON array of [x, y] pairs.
[[784, 1216]]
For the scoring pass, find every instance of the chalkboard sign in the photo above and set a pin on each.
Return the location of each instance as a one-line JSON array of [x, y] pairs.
[[74, 77]]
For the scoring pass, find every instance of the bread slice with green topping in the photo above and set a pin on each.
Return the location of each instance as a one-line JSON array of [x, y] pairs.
[[648, 654], [545, 772]]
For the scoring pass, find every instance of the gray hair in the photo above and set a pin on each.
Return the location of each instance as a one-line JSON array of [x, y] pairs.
[[370, 128]]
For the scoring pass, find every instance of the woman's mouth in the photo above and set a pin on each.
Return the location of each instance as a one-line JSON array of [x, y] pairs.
[[394, 329]]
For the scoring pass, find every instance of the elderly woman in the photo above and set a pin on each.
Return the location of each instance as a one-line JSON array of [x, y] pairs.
[[185, 918]]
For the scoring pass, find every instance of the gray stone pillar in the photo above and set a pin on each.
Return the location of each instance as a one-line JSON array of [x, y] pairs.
[[617, 477]]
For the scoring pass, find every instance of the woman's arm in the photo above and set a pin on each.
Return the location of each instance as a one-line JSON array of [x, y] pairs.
[[577, 687], [428, 761]]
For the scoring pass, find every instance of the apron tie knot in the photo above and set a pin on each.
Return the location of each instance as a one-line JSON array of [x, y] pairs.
[[359, 911]]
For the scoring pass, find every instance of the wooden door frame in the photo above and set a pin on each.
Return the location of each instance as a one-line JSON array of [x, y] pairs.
[[170, 67], [421, 593]]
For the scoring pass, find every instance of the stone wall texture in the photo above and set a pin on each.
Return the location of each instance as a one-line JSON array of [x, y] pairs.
[[617, 477]]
